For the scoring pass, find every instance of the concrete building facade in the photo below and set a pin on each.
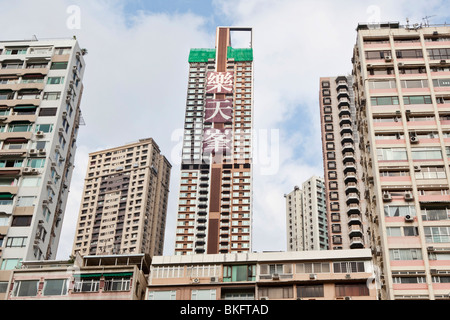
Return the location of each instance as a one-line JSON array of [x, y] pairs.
[[116, 277], [347, 226], [313, 275], [40, 95], [402, 94], [124, 204], [306, 217], [215, 200]]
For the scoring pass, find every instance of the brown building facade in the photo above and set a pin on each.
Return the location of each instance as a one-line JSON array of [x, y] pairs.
[[215, 201]]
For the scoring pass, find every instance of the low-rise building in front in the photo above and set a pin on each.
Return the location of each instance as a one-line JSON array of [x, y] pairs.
[[105, 277], [307, 275]]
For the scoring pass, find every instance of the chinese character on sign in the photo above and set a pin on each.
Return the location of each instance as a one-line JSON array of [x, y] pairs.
[[218, 111], [217, 140], [220, 82]]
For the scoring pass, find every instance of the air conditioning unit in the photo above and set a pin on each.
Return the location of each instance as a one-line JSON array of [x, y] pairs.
[[414, 139], [64, 115], [443, 61], [41, 151], [33, 151], [264, 298], [214, 279], [388, 58], [313, 276], [387, 197], [275, 276], [347, 298], [409, 218], [40, 133], [378, 251], [196, 280], [409, 197], [417, 168]]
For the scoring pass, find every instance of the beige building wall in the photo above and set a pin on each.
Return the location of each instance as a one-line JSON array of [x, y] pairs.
[[124, 203], [313, 275], [306, 217], [41, 89], [402, 91]]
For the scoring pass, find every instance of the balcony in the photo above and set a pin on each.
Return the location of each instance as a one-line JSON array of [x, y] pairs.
[[343, 93], [343, 102], [345, 120], [351, 188], [354, 219], [354, 209], [201, 220], [349, 157], [346, 128], [344, 111], [202, 204], [352, 198], [349, 167], [348, 147], [356, 243], [350, 177], [342, 85], [347, 138], [355, 231]]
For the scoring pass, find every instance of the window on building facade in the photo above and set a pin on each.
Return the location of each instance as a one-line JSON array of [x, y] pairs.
[[239, 273]]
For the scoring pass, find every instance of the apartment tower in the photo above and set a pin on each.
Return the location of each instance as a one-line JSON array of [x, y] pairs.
[[215, 200], [402, 93], [40, 95], [347, 224], [124, 204], [306, 217]]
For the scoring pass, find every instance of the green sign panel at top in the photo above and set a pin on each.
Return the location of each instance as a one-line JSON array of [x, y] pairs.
[[240, 54], [203, 55]]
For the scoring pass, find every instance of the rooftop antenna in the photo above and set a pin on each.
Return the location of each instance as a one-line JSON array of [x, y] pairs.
[[427, 21], [34, 37]]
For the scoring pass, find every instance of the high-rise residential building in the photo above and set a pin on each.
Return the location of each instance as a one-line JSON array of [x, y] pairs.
[[347, 225], [402, 93], [124, 204], [306, 217], [40, 95], [215, 200]]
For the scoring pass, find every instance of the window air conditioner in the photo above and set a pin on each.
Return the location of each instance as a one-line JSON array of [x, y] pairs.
[[414, 139], [409, 197]]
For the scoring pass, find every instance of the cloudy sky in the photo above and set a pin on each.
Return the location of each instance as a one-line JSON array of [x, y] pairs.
[[136, 80]]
